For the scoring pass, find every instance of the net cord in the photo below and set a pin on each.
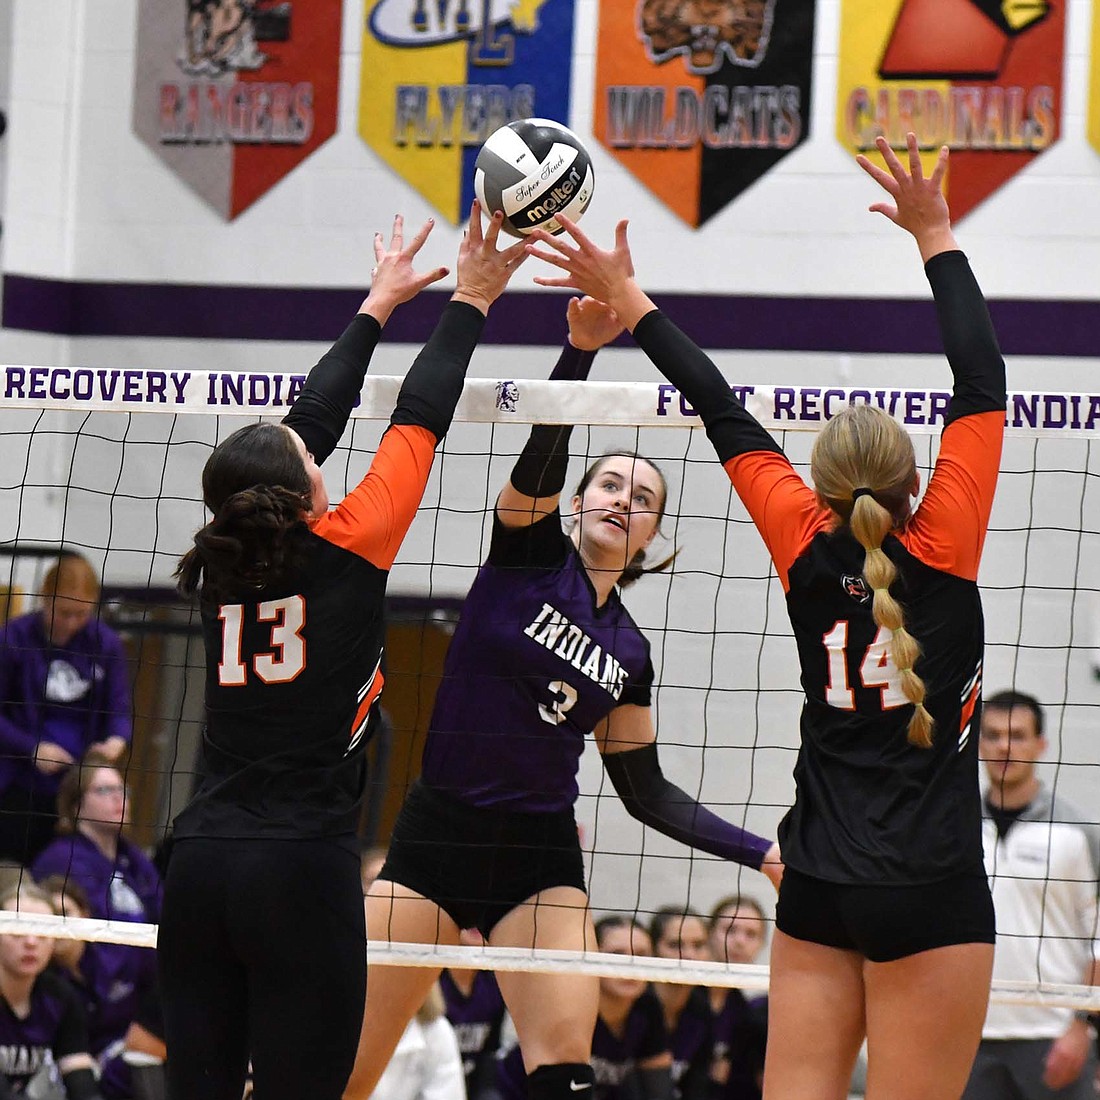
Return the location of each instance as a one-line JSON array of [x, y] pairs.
[[535, 961]]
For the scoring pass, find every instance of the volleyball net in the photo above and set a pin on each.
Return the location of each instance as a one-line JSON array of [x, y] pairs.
[[108, 462]]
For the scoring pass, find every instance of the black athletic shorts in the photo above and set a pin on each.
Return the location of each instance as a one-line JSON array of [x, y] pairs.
[[479, 863], [886, 923]]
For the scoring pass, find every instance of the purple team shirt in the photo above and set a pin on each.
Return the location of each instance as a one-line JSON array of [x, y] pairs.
[[73, 695], [476, 1019], [53, 1029], [533, 667]]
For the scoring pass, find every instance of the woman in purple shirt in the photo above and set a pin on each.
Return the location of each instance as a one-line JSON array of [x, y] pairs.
[[544, 655], [64, 689]]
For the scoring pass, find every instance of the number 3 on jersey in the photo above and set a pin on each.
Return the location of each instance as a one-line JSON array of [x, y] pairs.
[[288, 656], [877, 669]]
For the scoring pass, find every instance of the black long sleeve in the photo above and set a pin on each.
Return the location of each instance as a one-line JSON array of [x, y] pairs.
[[651, 799], [433, 385], [320, 413], [541, 466], [732, 429], [968, 337]]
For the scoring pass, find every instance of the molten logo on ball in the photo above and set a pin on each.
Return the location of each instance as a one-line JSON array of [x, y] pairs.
[[533, 170]]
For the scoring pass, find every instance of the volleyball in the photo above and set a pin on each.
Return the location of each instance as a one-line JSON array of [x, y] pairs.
[[534, 169]]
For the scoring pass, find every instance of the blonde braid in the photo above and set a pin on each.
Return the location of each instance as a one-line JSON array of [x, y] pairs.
[[870, 523]]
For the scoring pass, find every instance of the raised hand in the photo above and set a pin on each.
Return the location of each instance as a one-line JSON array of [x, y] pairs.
[[483, 270], [393, 279], [919, 206], [591, 323], [607, 276]]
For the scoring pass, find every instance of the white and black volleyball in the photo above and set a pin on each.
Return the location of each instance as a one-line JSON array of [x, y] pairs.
[[533, 169]]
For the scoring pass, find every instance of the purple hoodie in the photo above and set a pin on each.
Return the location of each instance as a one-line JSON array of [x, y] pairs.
[[73, 695]]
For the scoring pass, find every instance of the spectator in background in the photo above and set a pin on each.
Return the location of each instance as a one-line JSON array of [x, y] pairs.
[[120, 883], [738, 932], [64, 689], [681, 934], [1042, 855], [43, 1032]]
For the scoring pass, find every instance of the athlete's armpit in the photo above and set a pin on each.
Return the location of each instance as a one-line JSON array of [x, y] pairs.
[[948, 530], [373, 518], [784, 508]]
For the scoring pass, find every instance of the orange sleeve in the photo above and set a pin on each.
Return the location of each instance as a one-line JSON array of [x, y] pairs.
[[784, 508], [372, 519], [948, 529]]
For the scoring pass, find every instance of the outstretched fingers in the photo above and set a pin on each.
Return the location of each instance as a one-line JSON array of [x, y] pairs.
[[941, 168], [397, 237], [417, 243], [881, 177], [473, 227]]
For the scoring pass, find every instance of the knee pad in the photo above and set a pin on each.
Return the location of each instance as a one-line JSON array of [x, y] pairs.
[[561, 1081]]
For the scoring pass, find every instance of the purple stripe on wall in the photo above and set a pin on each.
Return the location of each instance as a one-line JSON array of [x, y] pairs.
[[1025, 327]]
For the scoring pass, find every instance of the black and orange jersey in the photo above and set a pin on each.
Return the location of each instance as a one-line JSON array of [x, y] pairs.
[[292, 675], [869, 806]]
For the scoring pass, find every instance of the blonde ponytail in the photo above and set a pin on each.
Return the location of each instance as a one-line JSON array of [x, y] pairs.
[[861, 448], [871, 523]]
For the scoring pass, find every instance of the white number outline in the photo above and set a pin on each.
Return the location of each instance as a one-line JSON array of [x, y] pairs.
[[565, 697], [287, 659]]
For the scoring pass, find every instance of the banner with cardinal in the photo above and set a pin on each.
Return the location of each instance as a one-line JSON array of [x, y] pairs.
[[981, 76]]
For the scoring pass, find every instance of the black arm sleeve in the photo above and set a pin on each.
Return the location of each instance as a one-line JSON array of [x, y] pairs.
[[732, 429], [968, 337], [80, 1084], [650, 798], [540, 469], [433, 385], [320, 413]]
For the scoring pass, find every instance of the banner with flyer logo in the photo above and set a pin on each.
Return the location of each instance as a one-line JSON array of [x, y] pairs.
[[700, 98], [983, 77], [233, 94], [439, 76], [1094, 80]]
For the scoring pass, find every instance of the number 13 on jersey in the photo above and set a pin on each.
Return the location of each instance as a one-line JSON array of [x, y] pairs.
[[287, 657], [876, 670]]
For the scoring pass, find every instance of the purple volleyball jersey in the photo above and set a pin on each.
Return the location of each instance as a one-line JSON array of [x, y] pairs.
[[53, 1029], [692, 1042], [741, 1034], [476, 1018], [73, 695], [533, 667]]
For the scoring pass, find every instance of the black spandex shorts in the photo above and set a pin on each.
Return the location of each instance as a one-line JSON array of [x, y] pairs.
[[479, 863], [886, 923]]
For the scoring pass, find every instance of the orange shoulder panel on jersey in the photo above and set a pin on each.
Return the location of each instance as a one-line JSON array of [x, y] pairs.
[[948, 529], [372, 519], [784, 508]]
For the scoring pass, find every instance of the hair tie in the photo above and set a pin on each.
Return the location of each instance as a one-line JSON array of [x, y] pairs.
[[857, 493]]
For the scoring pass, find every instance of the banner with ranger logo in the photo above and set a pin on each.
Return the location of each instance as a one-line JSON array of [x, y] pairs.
[[981, 76], [700, 98], [439, 76], [233, 94]]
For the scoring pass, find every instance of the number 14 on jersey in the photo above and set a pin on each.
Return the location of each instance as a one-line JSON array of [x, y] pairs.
[[876, 669]]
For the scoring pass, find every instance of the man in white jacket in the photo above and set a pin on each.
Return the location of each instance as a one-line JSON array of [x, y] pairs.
[[1042, 855]]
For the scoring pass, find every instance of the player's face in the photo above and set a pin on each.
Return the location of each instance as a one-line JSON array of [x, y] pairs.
[[318, 492], [619, 511], [66, 614], [684, 938], [624, 939], [1009, 746], [104, 801], [738, 935], [25, 956]]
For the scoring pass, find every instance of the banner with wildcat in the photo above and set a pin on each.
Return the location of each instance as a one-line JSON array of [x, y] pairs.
[[233, 94], [700, 98], [439, 76], [983, 77]]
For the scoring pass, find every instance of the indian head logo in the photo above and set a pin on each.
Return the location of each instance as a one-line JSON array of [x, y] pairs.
[[981, 76], [439, 76], [700, 98], [706, 33], [507, 396], [233, 94]]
